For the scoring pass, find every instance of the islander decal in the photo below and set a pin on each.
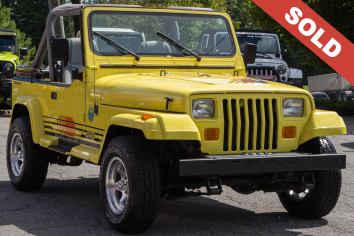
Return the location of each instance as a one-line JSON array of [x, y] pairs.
[[248, 81], [91, 114], [64, 124]]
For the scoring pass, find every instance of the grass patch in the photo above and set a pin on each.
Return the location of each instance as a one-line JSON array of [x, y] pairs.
[[342, 108], [306, 87]]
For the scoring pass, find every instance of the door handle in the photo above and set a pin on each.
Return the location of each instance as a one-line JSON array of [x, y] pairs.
[[54, 95]]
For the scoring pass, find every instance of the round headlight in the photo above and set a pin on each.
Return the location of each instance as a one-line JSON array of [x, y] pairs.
[[293, 107], [203, 108], [281, 69], [9, 66]]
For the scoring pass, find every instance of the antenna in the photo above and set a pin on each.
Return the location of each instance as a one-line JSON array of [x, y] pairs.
[[95, 106]]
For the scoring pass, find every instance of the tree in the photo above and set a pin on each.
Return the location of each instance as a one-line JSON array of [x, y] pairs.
[[30, 17], [338, 13], [216, 5], [7, 23]]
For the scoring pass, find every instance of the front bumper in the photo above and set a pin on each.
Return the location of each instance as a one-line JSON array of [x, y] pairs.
[[256, 164]]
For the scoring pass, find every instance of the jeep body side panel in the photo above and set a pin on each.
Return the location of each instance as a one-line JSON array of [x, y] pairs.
[[322, 123], [151, 127], [35, 113]]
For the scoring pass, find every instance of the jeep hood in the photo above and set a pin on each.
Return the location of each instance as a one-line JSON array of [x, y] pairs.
[[8, 56], [266, 61], [148, 91]]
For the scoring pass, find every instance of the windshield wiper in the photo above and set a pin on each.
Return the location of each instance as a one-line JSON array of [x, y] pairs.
[[178, 45], [137, 57], [264, 54]]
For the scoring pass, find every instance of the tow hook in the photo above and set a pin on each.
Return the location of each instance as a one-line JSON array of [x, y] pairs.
[[308, 180], [213, 191]]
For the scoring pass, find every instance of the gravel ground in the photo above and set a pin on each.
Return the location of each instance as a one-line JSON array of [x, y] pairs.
[[69, 204]]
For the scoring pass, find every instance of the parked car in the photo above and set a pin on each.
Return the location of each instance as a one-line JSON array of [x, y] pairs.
[[269, 64], [320, 95], [165, 118]]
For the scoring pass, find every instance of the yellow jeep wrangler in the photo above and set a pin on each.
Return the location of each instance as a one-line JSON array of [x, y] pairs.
[[167, 112]]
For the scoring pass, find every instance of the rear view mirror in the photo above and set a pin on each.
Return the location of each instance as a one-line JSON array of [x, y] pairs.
[[285, 53], [249, 54], [23, 52], [60, 50]]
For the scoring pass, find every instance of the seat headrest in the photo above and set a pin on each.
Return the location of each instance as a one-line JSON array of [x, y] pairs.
[[154, 47], [75, 51]]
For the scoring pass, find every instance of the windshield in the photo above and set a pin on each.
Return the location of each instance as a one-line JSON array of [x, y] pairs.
[[265, 43], [7, 44], [204, 35]]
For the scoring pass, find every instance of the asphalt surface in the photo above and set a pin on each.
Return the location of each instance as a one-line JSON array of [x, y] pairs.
[[69, 204]]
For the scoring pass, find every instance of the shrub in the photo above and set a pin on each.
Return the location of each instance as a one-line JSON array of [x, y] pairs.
[[342, 108]]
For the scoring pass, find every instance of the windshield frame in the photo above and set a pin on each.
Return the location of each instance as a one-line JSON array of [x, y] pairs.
[[90, 33]]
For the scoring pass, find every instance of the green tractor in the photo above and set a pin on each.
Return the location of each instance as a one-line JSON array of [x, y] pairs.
[[9, 59]]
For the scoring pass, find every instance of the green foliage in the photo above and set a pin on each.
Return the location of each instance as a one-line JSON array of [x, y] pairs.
[[342, 108], [239, 13], [30, 17], [339, 13], [7, 23], [216, 5]]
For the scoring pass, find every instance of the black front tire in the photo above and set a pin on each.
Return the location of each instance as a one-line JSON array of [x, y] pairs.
[[32, 174], [143, 182], [321, 200]]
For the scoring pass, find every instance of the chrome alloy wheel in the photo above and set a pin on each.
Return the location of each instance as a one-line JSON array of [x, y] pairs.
[[16, 154], [117, 189], [297, 197]]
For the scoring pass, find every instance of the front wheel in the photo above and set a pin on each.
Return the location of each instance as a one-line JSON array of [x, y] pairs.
[[130, 184], [321, 200], [27, 162]]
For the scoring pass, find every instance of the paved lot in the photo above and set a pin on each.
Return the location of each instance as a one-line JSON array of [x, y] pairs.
[[69, 204]]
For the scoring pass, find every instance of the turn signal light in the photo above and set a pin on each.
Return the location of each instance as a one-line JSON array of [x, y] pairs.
[[147, 116], [288, 132], [211, 134]]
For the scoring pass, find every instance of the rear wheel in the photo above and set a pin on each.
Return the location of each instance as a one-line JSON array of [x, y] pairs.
[[318, 202], [344, 95], [130, 184], [27, 162]]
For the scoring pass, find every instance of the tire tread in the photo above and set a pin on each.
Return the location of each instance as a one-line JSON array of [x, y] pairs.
[[36, 159], [147, 182]]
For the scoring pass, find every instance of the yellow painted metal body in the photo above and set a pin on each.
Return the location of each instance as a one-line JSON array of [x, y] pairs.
[[124, 94]]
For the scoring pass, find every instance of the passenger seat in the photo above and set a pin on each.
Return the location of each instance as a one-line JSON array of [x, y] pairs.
[[154, 47]]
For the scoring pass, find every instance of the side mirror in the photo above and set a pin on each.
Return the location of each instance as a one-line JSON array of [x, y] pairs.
[[249, 54], [23, 52], [60, 50], [285, 53]]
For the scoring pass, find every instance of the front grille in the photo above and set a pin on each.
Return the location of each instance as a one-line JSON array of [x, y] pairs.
[[0, 67], [266, 73], [250, 125], [259, 71]]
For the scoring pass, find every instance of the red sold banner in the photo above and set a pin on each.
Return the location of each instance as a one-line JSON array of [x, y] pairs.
[[314, 32]]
